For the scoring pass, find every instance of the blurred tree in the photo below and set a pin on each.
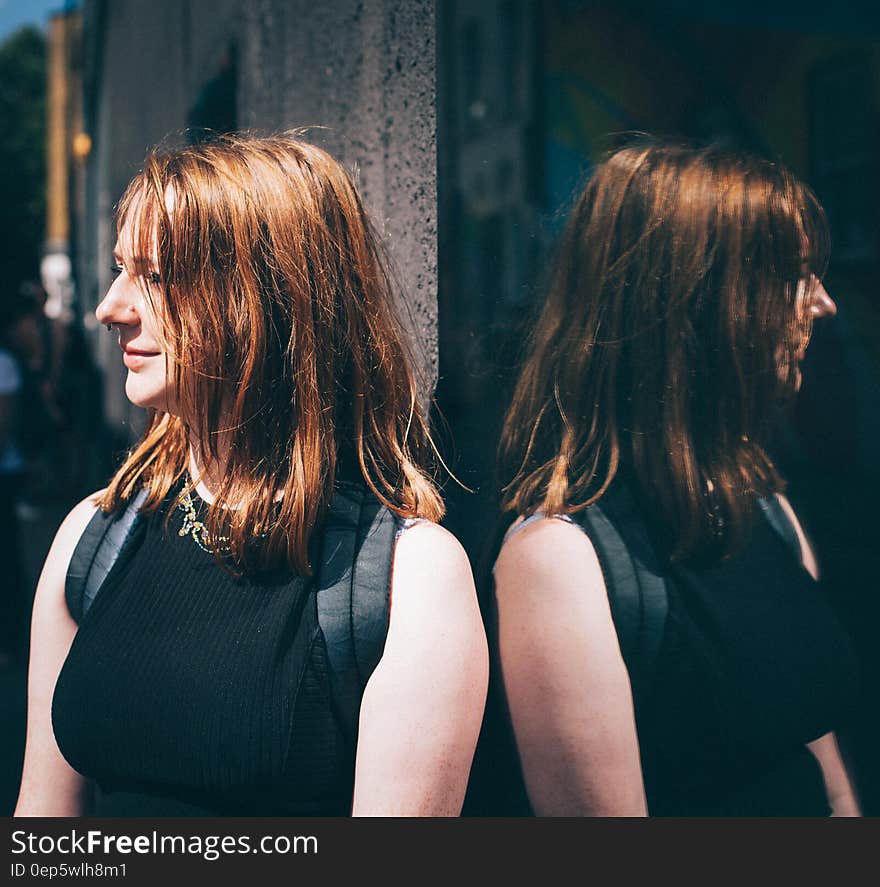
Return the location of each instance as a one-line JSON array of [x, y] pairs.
[[22, 157]]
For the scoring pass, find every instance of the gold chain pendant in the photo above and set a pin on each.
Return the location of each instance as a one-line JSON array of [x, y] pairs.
[[192, 526]]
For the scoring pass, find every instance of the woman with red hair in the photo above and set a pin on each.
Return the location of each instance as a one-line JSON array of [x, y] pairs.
[[286, 630]]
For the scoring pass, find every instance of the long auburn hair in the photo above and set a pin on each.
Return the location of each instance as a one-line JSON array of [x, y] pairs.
[[276, 313], [670, 334]]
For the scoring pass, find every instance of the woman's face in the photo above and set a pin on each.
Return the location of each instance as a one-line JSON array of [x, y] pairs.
[[812, 298], [128, 310], [818, 302]]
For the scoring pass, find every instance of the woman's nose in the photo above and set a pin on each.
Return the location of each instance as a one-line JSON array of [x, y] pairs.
[[114, 308], [821, 304]]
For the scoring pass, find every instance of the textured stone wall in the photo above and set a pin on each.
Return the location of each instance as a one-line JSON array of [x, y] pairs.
[[365, 73]]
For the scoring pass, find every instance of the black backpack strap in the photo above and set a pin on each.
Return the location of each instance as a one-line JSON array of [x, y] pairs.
[[354, 595], [778, 520], [106, 538], [636, 591]]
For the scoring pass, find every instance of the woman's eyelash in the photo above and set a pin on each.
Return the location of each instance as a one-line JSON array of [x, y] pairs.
[[153, 276]]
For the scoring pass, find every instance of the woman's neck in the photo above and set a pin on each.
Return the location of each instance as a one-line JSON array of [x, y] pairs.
[[207, 477]]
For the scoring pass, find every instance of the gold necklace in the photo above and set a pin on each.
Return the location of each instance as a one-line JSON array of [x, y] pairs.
[[192, 526]]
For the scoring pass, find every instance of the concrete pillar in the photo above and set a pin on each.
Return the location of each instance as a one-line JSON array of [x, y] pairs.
[[364, 71]]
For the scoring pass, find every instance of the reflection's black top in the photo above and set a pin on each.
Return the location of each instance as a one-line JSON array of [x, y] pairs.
[[753, 665], [189, 691]]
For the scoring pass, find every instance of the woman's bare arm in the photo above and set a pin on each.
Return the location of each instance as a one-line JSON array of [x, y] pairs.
[[841, 797], [566, 684], [49, 785], [423, 706]]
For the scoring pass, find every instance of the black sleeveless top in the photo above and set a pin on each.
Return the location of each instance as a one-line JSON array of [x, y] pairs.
[[188, 691], [753, 665]]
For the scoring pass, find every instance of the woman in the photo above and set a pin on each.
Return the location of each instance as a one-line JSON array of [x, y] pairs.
[[662, 647], [255, 321]]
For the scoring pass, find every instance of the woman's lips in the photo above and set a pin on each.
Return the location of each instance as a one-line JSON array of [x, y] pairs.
[[134, 358]]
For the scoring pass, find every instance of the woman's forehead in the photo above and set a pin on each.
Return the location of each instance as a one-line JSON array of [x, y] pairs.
[[131, 242], [137, 231]]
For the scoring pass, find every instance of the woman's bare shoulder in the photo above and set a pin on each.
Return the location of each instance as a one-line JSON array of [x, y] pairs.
[[434, 608], [563, 675], [423, 706], [66, 539], [79, 516], [431, 561], [81, 513], [551, 553], [49, 785]]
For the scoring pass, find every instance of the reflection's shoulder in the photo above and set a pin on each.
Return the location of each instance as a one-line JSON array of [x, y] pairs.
[[545, 548]]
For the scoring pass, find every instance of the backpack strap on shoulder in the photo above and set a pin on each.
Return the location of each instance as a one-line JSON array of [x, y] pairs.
[[778, 520], [106, 538], [354, 594], [636, 591]]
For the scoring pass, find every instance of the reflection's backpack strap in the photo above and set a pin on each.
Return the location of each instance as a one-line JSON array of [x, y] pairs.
[[778, 520], [354, 594], [636, 588], [106, 539]]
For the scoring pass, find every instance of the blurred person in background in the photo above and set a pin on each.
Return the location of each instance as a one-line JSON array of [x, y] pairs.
[[20, 353], [41, 441]]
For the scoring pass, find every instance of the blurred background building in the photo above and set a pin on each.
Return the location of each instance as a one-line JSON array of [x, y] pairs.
[[472, 123]]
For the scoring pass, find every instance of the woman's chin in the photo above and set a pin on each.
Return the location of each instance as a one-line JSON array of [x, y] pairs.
[[148, 399]]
